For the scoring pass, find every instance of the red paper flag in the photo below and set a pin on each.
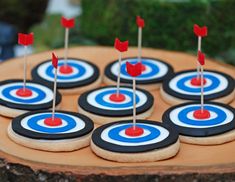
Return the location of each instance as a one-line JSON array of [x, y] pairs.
[[54, 60], [200, 31], [121, 46], [140, 21], [67, 23], [25, 39], [201, 58], [134, 69]]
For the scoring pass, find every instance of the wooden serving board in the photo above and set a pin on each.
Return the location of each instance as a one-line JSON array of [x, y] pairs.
[[217, 160]]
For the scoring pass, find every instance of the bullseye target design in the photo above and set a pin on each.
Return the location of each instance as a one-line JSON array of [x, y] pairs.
[[32, 125], [222, 119], [217, 85], [82, 73], [41, 97], [98, 101], [112, 137], [154, 71]]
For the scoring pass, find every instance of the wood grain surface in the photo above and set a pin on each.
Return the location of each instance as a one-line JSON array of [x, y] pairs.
[[190, 159]]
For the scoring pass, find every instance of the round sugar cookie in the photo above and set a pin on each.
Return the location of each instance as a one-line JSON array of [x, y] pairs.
[[217, 129], [79, 75], [156, 141], [15, 101], [154, 71], [99, 105], [31, 130], [179, 88]]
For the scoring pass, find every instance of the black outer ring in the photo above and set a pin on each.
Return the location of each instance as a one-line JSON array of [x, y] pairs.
[[83, 103], [17, 128], [222, 93], [67, 85], [97, 140], [199, 132], [113, 77], [29, 107]]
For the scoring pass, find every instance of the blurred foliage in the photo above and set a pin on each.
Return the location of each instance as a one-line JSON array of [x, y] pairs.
[[169, 24], [49, 34], [22, 13]]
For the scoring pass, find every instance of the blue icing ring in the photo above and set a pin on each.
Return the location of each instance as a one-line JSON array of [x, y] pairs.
[[215, 83], [82, 70], [41, 94], [115, 134], [33, 123], [221, 116], [99, 99], [153, 72]]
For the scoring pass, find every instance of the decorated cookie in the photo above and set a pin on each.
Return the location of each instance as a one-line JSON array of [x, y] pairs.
[[51, 130], [215, 127], [69, 131], [154, 71], [183, 86], [101, 105], [153, 141], [20, 96], [134, 140], [15, 101], [77, 76]]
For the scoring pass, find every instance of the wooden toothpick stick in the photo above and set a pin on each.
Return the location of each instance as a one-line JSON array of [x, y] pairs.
[[134, 102], [120, 47], [140, 24], [202, 89], [199, 49], [66, 46], [199, 32], [55, 65], [67, 24], [139, 43], [25, 40], [25, 66], [119, 73], [134, 71], [201, 60]]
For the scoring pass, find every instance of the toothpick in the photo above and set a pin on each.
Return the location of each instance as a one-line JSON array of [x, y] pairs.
[[66, 38], [199, 49], [139, 43], [134, 103], [202, 90], [119, 73], [54, 96], [25, 66]]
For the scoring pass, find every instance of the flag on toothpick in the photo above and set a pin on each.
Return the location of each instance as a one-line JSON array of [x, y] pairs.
[[139, 21], [200, 31], [67, 23], [134, 69], [25, 39], [201, 58], [54, 60], [121, 46]]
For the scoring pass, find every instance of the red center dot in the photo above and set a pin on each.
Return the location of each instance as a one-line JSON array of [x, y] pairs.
[[117, 97], [201, 114], [66, 69], [53, 122], [134, 131], [24, 92], [197, 81]]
